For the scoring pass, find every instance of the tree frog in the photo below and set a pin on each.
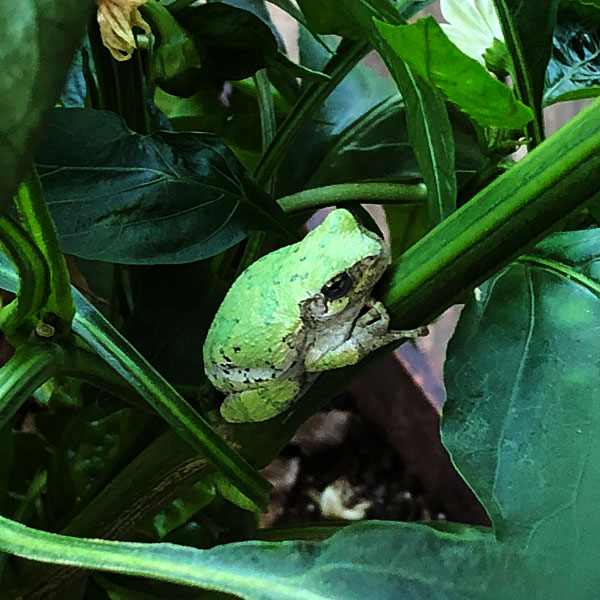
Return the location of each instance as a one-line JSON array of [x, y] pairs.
[[298, 311]]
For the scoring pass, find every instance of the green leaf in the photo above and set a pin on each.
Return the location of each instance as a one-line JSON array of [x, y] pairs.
[[351, 18], [74, 93], [525, 435], [586, 10], [347, 55], [373, 146], [165, 198], [348, 565], [356, 133], [431, 137], [38, 40], [527, 26], [460, 79], [235, 43], [574, 70]]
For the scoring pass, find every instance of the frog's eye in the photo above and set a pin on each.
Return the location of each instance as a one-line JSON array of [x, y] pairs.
[[337, 287]]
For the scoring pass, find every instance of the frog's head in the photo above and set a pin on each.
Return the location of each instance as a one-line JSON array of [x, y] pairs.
[[350, 260]]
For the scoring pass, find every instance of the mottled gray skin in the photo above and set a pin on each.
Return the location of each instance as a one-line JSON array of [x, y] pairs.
[[278, 327]]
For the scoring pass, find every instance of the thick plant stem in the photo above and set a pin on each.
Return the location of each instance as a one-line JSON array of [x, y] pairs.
[[33, 280], [502, 221], [342, 193], [36, 219]]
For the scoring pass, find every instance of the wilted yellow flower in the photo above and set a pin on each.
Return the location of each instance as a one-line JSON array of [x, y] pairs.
[[116, 19]]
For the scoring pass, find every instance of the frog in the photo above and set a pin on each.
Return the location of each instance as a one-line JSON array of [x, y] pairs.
[[295, 313]]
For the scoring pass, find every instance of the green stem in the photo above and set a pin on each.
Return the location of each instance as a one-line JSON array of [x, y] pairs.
[[32, 365], [268, 125], [33, 278], [523, 84], [36, 219], [265, 107], [343, 193], [349, 53], [120, 84], [107, 87]]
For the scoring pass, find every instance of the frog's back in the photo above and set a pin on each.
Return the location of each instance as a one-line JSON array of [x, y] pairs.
[[259, 313]]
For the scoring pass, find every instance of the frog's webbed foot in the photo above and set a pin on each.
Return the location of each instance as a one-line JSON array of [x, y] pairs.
[[370, 331], [376, 322]]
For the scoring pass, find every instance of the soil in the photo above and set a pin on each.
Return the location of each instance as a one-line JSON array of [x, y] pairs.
[[375, 454]]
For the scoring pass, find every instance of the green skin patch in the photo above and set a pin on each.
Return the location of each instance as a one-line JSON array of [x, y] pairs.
[[294, 313]]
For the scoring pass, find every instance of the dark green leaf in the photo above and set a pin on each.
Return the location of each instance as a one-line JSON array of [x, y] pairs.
[[352, 18], [462, 80], [574, 67], [37, 44], [588, 11], [524, 434], [326, 152], [167, 198], [259, 9], [527, 26], [234, 43], [373, 146]]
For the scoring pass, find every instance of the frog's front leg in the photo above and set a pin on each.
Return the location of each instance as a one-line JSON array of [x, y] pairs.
[[370, 331], [265, 401]]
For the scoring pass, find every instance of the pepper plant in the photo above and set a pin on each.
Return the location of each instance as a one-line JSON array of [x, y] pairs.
[[164, 146]]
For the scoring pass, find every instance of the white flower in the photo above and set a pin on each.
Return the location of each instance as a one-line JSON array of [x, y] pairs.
[[472, 25]]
